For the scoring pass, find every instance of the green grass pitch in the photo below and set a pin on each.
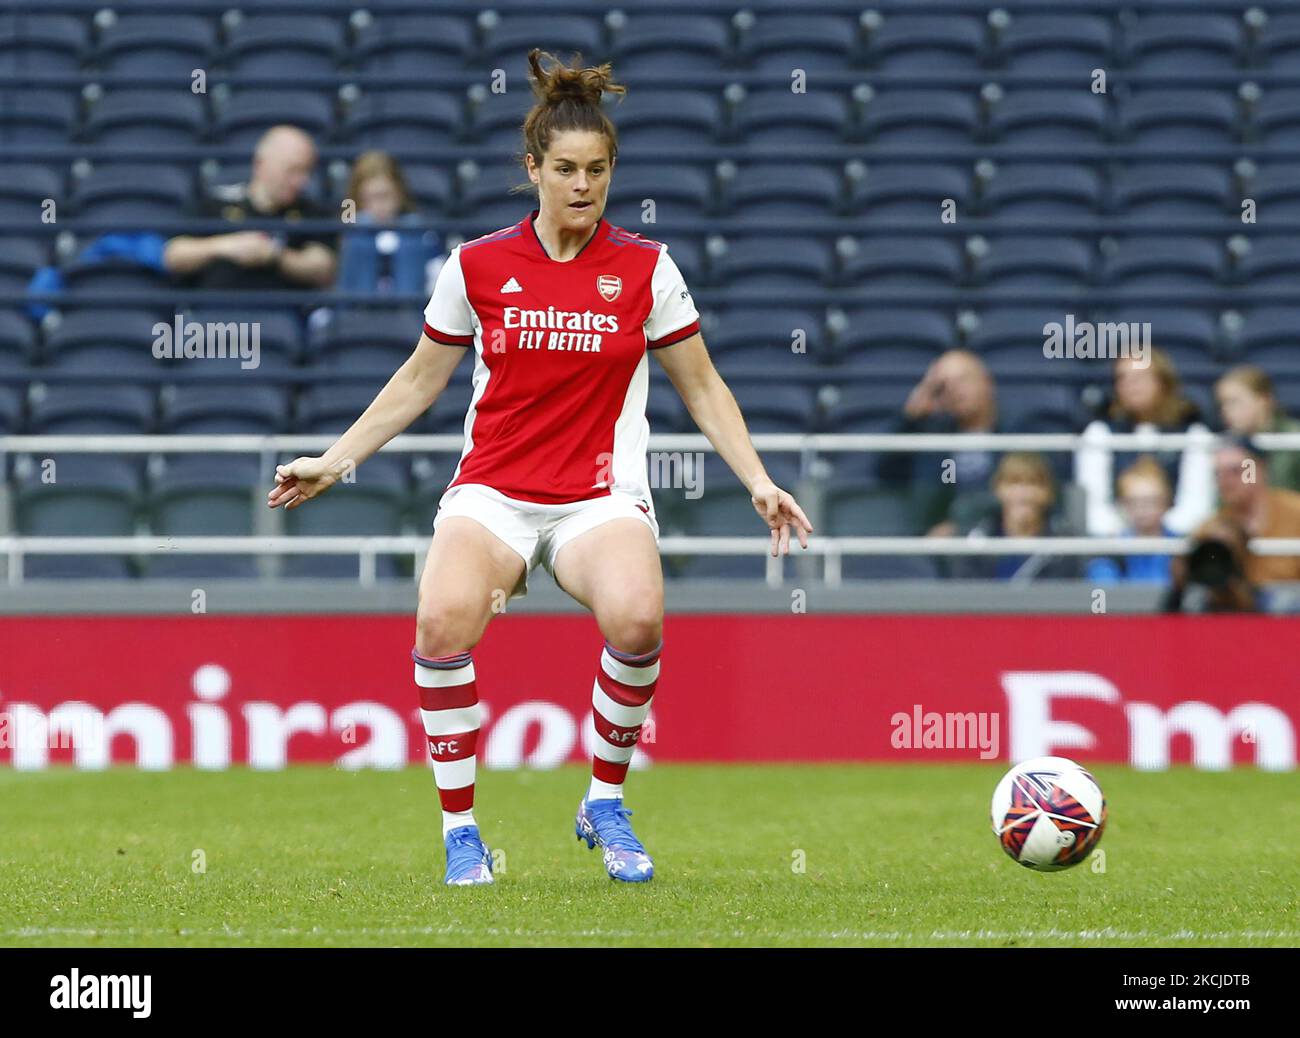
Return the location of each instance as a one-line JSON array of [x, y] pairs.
[[768, 855]]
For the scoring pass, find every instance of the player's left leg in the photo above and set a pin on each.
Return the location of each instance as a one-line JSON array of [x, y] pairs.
[[613, 569]]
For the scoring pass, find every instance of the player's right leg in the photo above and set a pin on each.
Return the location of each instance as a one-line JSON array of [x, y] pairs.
[[467, 572]]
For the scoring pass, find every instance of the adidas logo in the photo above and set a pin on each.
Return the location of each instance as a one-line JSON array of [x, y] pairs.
[[511, 286]]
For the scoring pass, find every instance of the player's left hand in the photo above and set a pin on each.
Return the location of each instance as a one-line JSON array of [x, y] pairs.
[[780, 511]]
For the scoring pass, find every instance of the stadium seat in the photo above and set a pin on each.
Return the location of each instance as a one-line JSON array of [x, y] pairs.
[[862, 407], [1273, 261], [204, 495], [171, 45], [782, 42], [37, 117], [1188, 336], [1279, 47], [1276, 191], [1164, 262], [233, 407], [132, 195], [396, 119], [775, 408], [786, 119], [80, 329], [904, 192], [41, 43], [68, 408], [410, 45], [912, 262], [1170, 120], [11, 411], [447, 415], [511, 36], [146, 118], [430, 187], [1050, 118], [877, 335], [19, 259], [764, 192], [1035, 263], [753, 262], [331, 408], [950, 43], [1163, 189], [671, 44], [784, 332], [1267, 339], [1057, 44], [914, 118], [1040, 408], [665, 410], [249, 113], [24, 187], [1044, 193], [679, 193], [283, 45], [1277, 119], [648, 120], [391, 329], [1164, 43], [278, 332], [118, 274]]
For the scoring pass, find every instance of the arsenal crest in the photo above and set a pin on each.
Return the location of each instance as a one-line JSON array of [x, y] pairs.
[[609, 287]]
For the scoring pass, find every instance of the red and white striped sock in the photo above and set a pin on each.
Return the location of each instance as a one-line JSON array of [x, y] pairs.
[[620, 703], [449, 709]]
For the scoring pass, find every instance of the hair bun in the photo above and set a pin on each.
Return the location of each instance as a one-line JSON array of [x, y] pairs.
[[571, 82]]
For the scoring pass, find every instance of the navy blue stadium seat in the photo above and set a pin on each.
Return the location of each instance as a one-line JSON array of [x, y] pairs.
[[667, 44], [19, 259], [18, 340], [132, 194], [23, 190], [90, 495], [678, 192], [1268, 339], [1272, 262], [785, 191], [232, 407], [387, 328], [112, 275], [495, 120], [172, 45], [1059, 44], [278, 333], [507, 41], [908, 262], [1164, 262], [1162, 43], [665, 410], [863, 407], [771, 261], [1277, 119], [1014, 329], [1276, 191], [1038, 262], [83, 329], [249, 113], [1161, 120], [875, 336], [284, 45], [11, 410], [860, 511], [411, 45], [1279, 46], [68, 408], [783, 118], [651, 119], [203, 495], [487, 202], [817, 43], [396, 119], [777, 331], [1031, 191], [32, 117], [1165, 189], [41, 43], [430, 187], [332, 407], [1188, 336], [1040, 408], [914, 118], [149, 118], [948, 43], [447, 415], [903, 191], [776, 407], [1050, 118]]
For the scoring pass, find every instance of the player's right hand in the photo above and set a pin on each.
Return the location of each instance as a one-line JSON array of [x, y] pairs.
[[300, 480]]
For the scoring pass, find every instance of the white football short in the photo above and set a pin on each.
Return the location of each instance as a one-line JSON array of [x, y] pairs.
[[535, 531]]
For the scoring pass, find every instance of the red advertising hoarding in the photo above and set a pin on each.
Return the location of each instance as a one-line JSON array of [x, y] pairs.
[[265, 691]]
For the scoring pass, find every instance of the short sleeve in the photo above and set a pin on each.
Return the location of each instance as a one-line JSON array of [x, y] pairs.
[[448, 318], [673, 316]]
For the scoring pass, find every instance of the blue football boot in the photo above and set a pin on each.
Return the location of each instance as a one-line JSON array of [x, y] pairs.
[[469, 862], [605, 822]]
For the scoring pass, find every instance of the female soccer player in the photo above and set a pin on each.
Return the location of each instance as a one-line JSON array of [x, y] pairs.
[[561, 310]]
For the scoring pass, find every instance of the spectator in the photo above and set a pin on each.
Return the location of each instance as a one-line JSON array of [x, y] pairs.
[[1248, 406], [257, 260], [1146, 399], [955, 395], [1144, 498], [1211, 577], [1025, 492], [1250, 500], [395, 257]]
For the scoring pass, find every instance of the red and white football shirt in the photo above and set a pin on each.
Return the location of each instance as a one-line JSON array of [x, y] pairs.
[[560, 364]]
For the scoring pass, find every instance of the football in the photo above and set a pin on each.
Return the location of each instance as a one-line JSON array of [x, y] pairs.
[[1048, 813]]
